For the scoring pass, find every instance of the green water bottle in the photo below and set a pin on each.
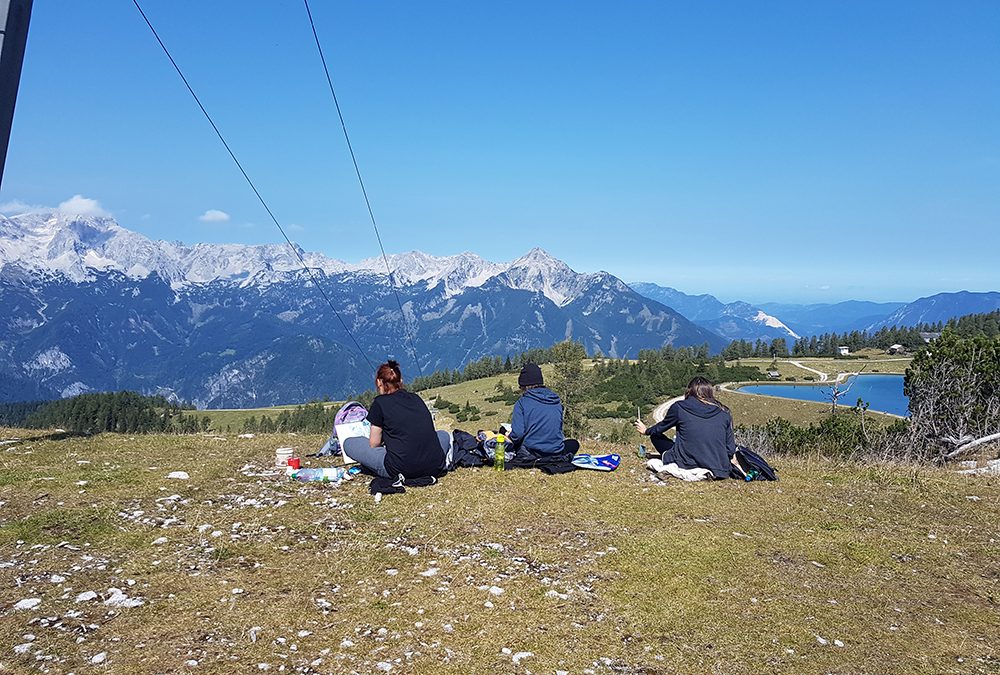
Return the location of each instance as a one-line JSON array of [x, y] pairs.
[[500, 453]]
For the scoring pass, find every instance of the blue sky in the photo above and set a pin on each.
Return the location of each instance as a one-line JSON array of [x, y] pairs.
[[781, 151]]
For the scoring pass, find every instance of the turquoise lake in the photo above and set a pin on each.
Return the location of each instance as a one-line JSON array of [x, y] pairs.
[[881, 392]]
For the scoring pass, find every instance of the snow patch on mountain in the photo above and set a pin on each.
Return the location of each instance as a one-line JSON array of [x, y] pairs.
[[774, 322]]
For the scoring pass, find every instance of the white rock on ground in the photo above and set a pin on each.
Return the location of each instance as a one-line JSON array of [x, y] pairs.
[[117, 598], [28, 604], [22, 648], [86, 596], [430, 572], [516, 658], [178, 475], [98, 659]]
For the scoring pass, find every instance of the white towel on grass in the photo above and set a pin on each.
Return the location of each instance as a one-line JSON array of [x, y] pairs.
[[689, 475]]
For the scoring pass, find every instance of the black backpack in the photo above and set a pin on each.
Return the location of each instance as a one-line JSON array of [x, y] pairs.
[[751, 467]]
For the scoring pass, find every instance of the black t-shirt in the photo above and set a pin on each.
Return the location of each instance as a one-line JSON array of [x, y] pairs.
[[411, 444]]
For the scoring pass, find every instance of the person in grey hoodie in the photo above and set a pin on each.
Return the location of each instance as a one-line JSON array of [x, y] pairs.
[[704, 431], [536, 427]]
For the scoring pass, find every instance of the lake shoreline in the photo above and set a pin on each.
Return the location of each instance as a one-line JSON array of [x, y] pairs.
[[878, 390]]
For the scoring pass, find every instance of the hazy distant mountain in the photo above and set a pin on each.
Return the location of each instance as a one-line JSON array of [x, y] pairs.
[[90, 305], [734, 321], [940, 307], [816, 319]]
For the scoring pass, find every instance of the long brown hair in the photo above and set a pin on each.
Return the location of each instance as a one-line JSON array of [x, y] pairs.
[[703, 390], [391, 377]]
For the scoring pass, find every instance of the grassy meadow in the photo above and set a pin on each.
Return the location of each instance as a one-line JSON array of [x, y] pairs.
[[835, 568]]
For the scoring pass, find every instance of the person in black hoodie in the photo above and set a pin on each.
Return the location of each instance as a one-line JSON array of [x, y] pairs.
[[704, 431], [536, 429]]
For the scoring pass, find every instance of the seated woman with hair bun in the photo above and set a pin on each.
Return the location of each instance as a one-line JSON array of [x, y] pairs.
[[402, 440]]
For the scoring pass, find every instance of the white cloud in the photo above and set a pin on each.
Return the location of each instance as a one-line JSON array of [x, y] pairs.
[[214, 216], [78, 205], [293, 227], [16, 206]]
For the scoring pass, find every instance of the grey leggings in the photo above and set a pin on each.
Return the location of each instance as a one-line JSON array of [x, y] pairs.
[[373, 459]]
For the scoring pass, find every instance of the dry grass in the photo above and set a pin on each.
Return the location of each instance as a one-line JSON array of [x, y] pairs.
[[602, 571]]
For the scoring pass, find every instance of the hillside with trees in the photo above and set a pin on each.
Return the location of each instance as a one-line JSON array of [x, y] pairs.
[[120, 412], [826, 345]]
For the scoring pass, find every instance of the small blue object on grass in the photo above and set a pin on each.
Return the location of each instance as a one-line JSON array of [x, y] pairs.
[[597, 462]]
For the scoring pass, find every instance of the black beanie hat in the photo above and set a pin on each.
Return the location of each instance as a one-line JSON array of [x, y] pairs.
[[531, 375]]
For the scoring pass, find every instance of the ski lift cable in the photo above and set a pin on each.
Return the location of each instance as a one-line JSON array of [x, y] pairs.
[[253, 187], [357, 170]]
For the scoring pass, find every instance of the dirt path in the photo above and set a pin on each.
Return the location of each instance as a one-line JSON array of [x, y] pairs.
[[823, 377], [660, 411]]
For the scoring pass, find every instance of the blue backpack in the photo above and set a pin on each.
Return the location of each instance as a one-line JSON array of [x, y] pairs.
[[751, 466]]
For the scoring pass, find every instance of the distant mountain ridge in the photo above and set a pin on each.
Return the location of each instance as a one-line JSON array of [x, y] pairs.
[[841, 317], [94, 306], [735, 320], [940, 307]]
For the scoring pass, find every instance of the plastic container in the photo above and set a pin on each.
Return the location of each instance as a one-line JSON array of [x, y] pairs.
[[326, 475], [500, 453], [282, 455]]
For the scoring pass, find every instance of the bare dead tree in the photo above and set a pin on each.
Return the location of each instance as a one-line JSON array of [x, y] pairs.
[[955, 398], [835, 393]]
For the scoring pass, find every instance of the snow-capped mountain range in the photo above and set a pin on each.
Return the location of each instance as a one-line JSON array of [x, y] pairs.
[[79, 247], [92, 305]]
